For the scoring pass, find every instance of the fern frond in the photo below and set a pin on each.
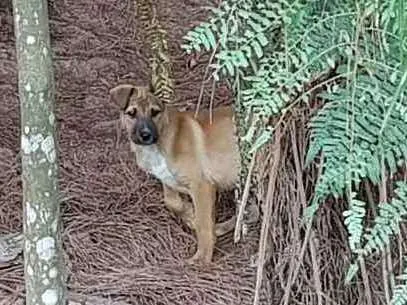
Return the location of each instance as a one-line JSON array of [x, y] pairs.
[[387, 223], [354, 221], [377, 130]]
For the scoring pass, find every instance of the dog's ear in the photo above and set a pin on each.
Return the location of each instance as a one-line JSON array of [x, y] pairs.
[[121, 95], [151, 87]]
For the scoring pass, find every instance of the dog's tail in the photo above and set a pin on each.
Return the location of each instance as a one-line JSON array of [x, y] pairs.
[[227, 226]]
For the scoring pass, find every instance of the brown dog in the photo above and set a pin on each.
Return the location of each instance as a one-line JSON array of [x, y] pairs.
[[188, 155]]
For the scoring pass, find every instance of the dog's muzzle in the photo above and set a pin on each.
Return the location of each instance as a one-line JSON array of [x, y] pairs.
[[144, 133]]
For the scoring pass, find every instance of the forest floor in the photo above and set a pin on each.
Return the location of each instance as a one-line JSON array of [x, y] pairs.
[[121, 243]]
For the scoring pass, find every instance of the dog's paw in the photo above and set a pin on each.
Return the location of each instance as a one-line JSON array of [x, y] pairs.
[[199, 259]]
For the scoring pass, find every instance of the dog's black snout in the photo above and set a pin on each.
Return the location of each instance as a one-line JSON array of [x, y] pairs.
[[145, 135]]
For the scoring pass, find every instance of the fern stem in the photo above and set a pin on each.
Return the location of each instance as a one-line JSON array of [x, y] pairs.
[[402, 26], [388, 282], [394, 101], [383, 31], [381, 64], [286, 48], [354, 73], [314, 26], [309, 91], [312, 60]]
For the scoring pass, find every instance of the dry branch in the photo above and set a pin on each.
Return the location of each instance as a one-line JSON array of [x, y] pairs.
[[11, 245], [266, 222]]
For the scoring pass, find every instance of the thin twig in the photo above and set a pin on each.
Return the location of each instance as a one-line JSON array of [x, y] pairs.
[[301, 192], [315, 268], [198, 105], [245, 196], [366, 284], [211, 101], [276, 147], [294, 273]]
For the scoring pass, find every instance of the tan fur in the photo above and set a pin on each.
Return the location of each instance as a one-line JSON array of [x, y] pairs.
[[192, 156]]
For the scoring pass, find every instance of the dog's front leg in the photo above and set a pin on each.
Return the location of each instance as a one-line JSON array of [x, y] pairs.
[[183, 209], [204, 196]]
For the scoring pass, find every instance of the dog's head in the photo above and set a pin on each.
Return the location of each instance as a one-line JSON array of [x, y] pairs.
[[143, 114]]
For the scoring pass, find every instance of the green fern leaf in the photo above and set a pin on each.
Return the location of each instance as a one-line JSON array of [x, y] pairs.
[[257, 48], [389, 213], [351, 272], [400, 291]]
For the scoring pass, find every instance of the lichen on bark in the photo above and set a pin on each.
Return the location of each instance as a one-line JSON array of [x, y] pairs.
[[43, 259]]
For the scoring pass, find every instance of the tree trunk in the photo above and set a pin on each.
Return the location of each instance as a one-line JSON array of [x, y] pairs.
[[43, 257]]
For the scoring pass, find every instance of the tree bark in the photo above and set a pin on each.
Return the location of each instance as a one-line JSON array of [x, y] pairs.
[[44, 269]]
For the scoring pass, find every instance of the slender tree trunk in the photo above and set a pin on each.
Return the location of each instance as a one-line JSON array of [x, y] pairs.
[[43, 259]]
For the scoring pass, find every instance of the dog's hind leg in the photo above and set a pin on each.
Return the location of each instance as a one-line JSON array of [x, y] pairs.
[[174, 202]]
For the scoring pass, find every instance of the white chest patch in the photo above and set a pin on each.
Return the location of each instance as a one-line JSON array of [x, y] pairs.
[[150, 159]]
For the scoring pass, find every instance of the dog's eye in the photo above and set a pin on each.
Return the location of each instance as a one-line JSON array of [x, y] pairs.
[[132, 112], [155, 112]]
